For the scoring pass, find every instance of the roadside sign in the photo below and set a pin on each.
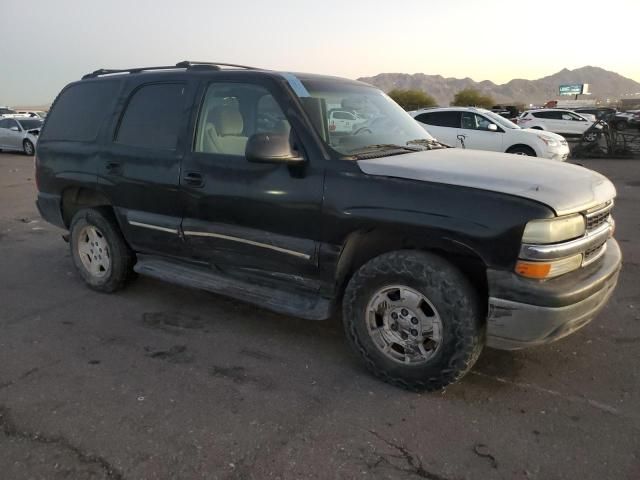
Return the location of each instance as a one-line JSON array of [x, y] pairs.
[[574, 89]]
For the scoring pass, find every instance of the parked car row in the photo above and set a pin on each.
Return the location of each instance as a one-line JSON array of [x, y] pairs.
[[618, 120], [6, 112]]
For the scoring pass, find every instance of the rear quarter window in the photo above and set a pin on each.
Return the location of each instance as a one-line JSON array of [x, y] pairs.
[[441, 119], [79, 111], [153, 117]]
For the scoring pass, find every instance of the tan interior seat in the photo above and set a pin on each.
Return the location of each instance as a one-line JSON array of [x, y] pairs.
[[223, 131]]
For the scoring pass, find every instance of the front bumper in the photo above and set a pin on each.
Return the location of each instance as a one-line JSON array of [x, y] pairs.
[[49, 207], [560, 154], [524, 313]]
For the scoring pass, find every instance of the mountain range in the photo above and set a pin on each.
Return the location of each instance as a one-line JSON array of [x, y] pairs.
[[603, 84]]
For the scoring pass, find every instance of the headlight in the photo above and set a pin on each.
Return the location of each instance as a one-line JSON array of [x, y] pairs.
[[554, 230], [550, 142]]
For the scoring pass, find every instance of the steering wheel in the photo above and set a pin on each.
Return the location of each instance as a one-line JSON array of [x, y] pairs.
[[362, 130]]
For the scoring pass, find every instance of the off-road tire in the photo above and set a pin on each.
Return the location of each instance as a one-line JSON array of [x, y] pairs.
[[122, 257], [452, 295]]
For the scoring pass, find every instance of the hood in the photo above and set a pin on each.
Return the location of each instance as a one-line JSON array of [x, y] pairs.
[[563, 187]]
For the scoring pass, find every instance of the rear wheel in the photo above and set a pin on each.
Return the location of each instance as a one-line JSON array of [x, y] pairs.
[[414, 319], [28, 148], [99, 251], [522, 150]]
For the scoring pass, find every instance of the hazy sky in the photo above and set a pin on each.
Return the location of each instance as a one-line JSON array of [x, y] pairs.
[[48, 43]]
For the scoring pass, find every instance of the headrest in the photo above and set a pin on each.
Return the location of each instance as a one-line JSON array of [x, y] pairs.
[[227, 120]]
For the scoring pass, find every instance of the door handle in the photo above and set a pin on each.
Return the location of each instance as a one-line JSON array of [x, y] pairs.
[[461, 138], [194, 179]]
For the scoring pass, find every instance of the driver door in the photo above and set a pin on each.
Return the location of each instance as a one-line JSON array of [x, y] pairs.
[[476, 134], [4, 132], [13, 135], [238, 214]]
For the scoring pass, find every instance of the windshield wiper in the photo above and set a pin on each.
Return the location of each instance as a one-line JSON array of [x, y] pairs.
[[383, 147], [428, 143]]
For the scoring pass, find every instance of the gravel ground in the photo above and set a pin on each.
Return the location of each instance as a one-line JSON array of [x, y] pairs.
[[162, 382]]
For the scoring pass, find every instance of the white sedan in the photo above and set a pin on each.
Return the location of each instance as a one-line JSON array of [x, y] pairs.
[[480, 129], [20, 134], [564, 122]]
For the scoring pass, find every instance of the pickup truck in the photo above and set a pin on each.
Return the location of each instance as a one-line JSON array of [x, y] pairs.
[[229, 179]]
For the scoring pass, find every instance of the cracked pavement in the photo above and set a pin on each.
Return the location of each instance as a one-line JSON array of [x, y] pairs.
[[162, 382]]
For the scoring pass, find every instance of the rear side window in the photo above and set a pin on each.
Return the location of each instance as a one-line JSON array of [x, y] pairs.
[[550, 115], [440, 119], [79, 111], [153, 117]]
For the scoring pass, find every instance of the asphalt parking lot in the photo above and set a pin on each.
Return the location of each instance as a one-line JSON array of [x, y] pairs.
[[161, 382]]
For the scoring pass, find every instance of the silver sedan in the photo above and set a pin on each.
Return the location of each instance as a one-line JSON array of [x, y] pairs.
[[20, 134]]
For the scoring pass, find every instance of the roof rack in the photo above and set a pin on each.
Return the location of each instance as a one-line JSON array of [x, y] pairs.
[[186, 64], [191, 64]]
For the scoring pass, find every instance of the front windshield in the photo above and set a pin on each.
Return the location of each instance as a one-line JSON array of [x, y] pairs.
[[29, 124], [354, 118], [503, 122]]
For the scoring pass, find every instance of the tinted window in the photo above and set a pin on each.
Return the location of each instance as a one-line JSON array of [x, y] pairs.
[[231, 113], [4, 123], [153, 117], [440, 119], [549, 115], [79, 111], [342, 116], [29, 124]]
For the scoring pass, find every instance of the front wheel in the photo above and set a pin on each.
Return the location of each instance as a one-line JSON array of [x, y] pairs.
[[522, 150], [414, 319], [28, 148]]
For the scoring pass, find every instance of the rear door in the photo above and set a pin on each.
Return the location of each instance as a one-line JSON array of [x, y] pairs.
[[242, 215], [552, 120], [476, 134], [443, 125], [575, 123], [139, 169]]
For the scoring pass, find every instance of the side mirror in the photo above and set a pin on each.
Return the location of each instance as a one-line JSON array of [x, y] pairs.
[[14, 129], [271, 148], [492, 127]]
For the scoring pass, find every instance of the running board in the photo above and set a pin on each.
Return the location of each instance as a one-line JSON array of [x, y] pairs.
[[288, 302]]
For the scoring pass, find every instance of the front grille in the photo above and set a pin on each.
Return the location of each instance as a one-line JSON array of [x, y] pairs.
[[598, 215]]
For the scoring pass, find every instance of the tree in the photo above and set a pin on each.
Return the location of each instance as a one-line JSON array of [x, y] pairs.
[[412, 99], [470, 97]]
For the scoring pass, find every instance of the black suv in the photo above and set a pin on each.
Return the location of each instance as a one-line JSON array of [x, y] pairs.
[[230, 179]]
